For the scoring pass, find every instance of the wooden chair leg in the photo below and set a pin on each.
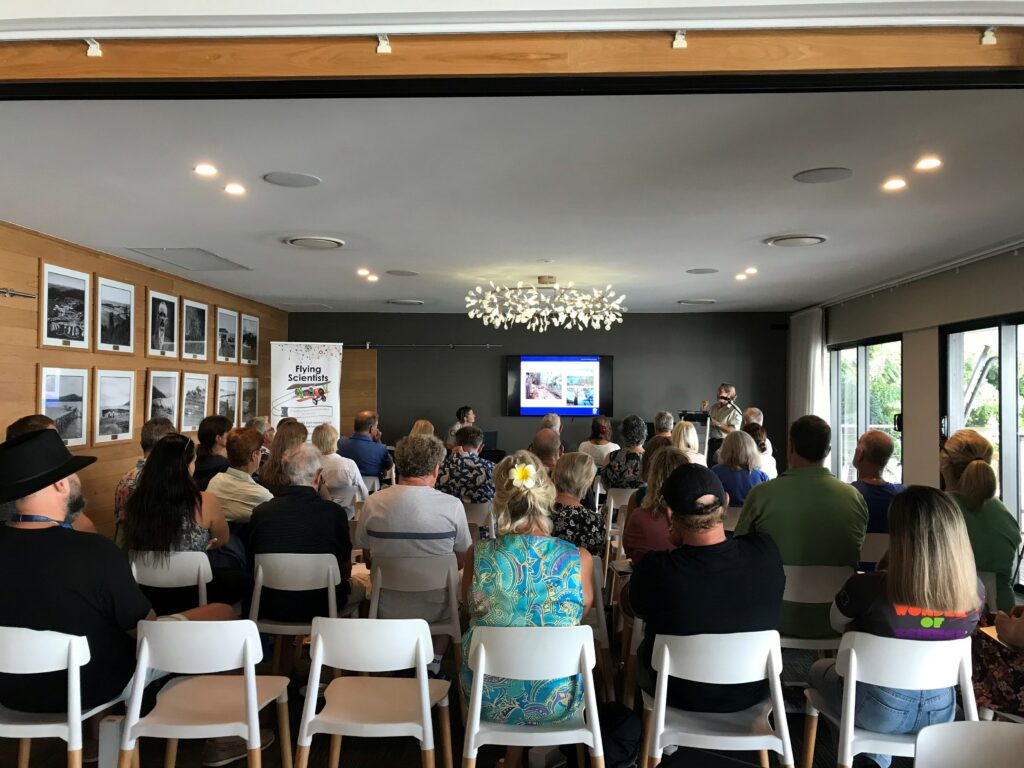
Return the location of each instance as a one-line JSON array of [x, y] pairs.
[[597, 761], [456, 688], [137, 754], [427, 758], [581, 755], [171, 753], [765, 760], [124, 758], [255, 758], [75, 759], [469, 762], [645, 739], [24, 752], [653, 762], [444, 727], [284, 733], [629, 681], [334, 757], [810, 736], [301, 758]]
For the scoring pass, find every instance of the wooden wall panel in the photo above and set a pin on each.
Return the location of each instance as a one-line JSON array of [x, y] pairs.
[[21, 253], [358, 384], [815, 50]]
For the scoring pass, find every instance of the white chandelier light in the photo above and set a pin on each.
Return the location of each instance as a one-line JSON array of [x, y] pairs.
[[545, 305]]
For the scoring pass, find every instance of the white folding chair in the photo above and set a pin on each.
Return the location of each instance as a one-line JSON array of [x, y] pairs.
[[533, 653], [204, 705], [729, 659], [346, 496], [294, 573], [988, 578], [732, 518], [597, 620], [966, 744], [916, 665], [171, 570], [31, 652], [614, 500], [874, 547], [374, 706], [636, 634], [372, 483], [482, 514], [813, 584]]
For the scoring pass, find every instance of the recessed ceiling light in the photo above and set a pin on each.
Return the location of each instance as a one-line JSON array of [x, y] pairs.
[[205, 169], [315, 242], [751, 270], [402, 273], [406, 302], [928, 163], [702, 271], [823, 175], [894, 184], [696, 302], [372, 278], [362, 272], [741, 276], [794, 241], [234, 188], [289, 179]]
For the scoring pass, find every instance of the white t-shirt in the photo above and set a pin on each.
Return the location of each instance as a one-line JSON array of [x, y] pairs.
[[341, 472], [599, 453]]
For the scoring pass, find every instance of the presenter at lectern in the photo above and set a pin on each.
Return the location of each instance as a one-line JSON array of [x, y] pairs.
[[725, 417]]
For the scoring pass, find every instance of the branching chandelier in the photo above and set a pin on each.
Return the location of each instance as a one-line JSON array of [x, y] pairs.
[[545, 305]]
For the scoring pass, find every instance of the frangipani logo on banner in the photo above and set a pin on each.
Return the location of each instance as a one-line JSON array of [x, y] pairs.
[[305, 382]]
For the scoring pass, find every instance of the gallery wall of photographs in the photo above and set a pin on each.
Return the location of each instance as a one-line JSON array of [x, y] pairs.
[[200, 358]]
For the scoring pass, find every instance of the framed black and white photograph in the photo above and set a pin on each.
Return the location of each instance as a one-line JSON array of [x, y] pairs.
[[162, 395], [194, 390], [250, 392], [115, 406], [115, 316], [162, 332], [65, 304], [227, 335], [64, 397], [250, 340], [227, 397], [194, 325]]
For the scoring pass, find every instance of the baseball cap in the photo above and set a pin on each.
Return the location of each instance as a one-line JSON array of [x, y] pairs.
[[688, 483]]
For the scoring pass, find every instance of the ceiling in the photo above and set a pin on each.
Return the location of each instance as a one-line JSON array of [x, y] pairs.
[[628, 190]]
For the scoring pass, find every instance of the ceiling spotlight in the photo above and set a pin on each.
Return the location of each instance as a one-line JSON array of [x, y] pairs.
[[372, 278], [794, 241], [234, 188], [751, 270], [741, 276], [205, 169], [362, 272], [928, 163], [894, 184]]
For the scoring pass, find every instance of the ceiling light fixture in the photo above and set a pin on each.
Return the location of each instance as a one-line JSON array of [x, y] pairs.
[[823, 175], [545, 305], [205, 169], [894, 184], [362, 271], [372, 278], [315, 242], [794, 241], [407, 302], [741, 276], [289, 179], [234, 188], [928, 163], [751, 270]]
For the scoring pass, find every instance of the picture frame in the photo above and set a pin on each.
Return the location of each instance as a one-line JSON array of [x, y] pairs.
[[161, 325], [227, 397], [195, 329], [227, 335], [64, 397], [195, 397], [250, 337], [115, 316], [114, 406], [64, 307], [249, 400], [162, 395]]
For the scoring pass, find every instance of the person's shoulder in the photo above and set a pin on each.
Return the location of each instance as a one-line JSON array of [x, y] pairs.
[[93, 546], [760, 541]]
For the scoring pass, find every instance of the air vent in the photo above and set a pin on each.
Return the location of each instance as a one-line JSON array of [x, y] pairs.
[[823, 175], [293, 180], [702, 271], [402, 273], [794, 241], [191, 259], [315, 242], [406, 302], [696, 302], [302, 306]]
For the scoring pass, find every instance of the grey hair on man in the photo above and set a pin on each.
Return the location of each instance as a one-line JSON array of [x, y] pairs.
[[418, 455], [302, 465], [259, 423], [551, 421], [663, 421], [753, 416]]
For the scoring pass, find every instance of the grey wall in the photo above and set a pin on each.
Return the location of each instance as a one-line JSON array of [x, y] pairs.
[[662, 362]]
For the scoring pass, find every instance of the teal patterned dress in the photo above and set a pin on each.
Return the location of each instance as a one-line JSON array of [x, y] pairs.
[[525, 581]]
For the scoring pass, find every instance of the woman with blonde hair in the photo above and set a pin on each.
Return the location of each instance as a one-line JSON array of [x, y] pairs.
[[524, 578], [684, 438], [570, 519], [965, 462], [739, 466], [648, 528], [929, 572], [422, 427], [289, 435], [341, 474]]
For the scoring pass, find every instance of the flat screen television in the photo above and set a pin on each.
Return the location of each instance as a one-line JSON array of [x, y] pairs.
[[569, 385]]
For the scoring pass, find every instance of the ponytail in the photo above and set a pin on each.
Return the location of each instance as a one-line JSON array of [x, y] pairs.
[[977, 483], [970, 459], [520, 506]]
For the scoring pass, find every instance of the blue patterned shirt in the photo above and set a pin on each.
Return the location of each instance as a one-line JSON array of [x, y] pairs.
[[467, 477]]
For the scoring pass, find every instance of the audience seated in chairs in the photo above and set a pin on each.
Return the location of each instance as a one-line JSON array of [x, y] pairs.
[[289, 435], [622, 469], [212, 455], [570, 520], [684, 438], [299, 521], [498, 590], [152, 432], [422, 427], [764, 449], [262, 425], [235, 490], [738, 465], [804, 498], [966, 465], [648, 527], [598, 445], [341, 475], [930, 572], [707, 584], [874, 449], [364, 446], [465, 474]]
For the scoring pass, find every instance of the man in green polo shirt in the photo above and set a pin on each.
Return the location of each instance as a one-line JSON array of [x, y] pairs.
[[813, 518]]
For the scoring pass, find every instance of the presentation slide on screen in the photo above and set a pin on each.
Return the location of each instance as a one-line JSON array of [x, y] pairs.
[[565, 385]]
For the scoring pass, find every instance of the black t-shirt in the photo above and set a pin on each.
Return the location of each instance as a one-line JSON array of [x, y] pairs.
[[300, 522], [207, 467], [78, 583], [864, 600], [734, 586]]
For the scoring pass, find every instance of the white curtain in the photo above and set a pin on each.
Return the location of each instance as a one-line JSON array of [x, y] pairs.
[[808, 366]]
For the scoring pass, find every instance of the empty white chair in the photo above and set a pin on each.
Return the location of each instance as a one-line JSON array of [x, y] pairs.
[[813, 584], [988, 578], [730, 659], [374, 706], [597, 620], [875, 545], [533, 653], [482, 514], [174, 569], [29, 652], [916, 665], [204, 705], [968, 744]]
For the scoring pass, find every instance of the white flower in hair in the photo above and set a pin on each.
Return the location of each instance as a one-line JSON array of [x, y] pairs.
[[523, 476]]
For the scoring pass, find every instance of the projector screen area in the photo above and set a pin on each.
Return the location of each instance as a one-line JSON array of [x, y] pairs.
[[569, 385]]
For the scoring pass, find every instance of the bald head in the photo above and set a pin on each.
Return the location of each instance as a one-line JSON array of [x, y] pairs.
[[546, 446], [753, 416], [365, 421], [874, 449]]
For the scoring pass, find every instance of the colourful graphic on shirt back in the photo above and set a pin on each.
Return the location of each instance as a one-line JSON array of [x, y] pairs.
[[913, 623]]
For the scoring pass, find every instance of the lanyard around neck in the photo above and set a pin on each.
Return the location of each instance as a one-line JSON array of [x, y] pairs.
[[19, 518]]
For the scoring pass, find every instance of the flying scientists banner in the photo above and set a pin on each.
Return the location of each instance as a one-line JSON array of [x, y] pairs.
[[305, 383]]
